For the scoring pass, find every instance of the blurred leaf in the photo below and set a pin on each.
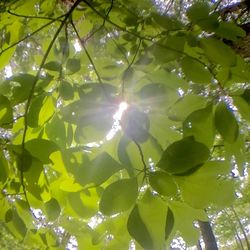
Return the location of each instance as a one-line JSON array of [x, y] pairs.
[[195, 70], [53, 66], [41, 149], [200, 124], [218, 52], [53, 209], [163, 183], [6, 113], [73, 65], [226, 123], [66, 90], [119, 196]]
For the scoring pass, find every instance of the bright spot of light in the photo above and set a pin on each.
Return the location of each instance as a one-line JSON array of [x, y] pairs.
[[77, 46], [8, 71], [117, 118]]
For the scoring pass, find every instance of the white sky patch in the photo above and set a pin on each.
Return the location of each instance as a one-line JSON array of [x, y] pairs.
[[77, 46], [117, 118], [8, 71]]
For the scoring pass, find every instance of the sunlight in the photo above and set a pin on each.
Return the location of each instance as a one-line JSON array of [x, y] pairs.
[[117, 118], [77, 46]]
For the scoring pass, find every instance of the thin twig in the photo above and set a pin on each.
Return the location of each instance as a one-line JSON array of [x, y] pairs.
[[141, 155], [129, 66], [34, 17], [90, 60], [29, 35], [66, 16]]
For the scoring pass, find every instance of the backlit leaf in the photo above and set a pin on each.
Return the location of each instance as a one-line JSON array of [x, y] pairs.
[[195, 71], [226, 123], [183, 156], [6, 113], [163, 183], [218, 52], [52, 209], [119, 196], [138, 230]]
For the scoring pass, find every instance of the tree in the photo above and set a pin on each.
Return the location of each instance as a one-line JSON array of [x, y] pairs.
[[120, 123]]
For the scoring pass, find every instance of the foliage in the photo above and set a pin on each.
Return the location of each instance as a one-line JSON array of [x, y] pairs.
[[127, 140]]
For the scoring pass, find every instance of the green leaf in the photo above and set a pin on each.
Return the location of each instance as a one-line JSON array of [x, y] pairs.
[[195, 191], [56, 131], [24, 161], [41, 149], [66, 90], [6, 113], [53, 209], [218, 52], [195, 71], [153, 212], [169, 223], [198, 13], [73, 65], [184, 217], [243, 106], [21, 90], [17, 226], [8, 215], [119, 196], [200, 124], [138, 230], [230, 31], [99, 170], [183, 156], [226, 123], [40, 111], [163, 183], [53, 66], [168, 23], [185, 106], [4, 169]]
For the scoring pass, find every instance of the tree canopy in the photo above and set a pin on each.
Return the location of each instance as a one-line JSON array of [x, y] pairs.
[[121, 122]]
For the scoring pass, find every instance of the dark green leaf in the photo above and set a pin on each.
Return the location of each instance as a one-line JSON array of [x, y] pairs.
[[52, 209], [226, 123], [230, 31], [6, 113], [218, 52], [138, 230], [21, 90], [53, 66], [73, 65], [198, 13], [169, 223], [8, 215], [183, 156], [119, 196], [195, 71], [41, 149], [66, 90]]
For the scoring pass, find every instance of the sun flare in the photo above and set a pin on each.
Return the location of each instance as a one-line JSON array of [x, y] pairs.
[[117, 118]]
